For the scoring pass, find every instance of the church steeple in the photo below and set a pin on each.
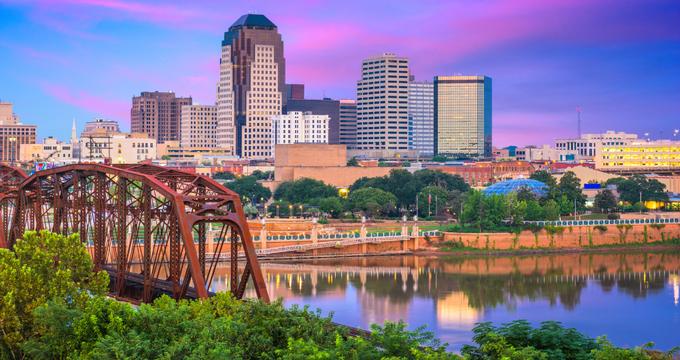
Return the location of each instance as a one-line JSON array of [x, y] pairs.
[[74, 135]]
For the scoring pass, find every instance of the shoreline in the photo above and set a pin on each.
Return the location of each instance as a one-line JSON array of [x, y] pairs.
[[478, 253]]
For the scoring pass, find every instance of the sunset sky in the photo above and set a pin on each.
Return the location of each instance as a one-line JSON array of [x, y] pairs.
[[619, 60]]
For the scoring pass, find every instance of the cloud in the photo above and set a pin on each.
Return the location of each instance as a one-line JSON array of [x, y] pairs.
[[105, 107]]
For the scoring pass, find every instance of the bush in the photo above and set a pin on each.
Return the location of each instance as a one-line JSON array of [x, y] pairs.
[[601, 228], [613, 216]]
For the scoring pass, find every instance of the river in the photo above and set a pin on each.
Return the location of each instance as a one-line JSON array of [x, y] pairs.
[[632, 297]]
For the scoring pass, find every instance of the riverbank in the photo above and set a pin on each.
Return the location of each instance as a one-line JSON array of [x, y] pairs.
[[660, 246]]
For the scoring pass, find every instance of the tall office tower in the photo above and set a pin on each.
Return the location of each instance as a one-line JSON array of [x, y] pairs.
[[462, 116], [294, 92], [320, 107], [258, 79], [157, 114], [225, 131], [348, 123], [199, 126], [382, 103], [421, 116]]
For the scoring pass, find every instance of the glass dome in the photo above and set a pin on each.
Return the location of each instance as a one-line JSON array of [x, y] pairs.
[[509, 186]]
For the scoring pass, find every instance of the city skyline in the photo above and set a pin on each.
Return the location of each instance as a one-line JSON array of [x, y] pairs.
[[87, 58]]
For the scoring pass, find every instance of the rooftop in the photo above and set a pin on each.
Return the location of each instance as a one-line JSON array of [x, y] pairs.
[[254, 21]]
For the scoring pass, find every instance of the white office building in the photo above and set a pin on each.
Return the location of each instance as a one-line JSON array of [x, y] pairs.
[[300, 127], [585, 147], [382, 103]]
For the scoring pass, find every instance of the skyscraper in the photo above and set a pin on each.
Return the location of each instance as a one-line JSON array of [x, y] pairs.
[[382, 103], [462, 115], [253, 50], [421, 116], [348, 123], [157, 114], [199, 125]]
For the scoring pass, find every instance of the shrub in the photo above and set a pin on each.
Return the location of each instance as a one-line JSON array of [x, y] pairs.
[[601, 228], [613, 216]]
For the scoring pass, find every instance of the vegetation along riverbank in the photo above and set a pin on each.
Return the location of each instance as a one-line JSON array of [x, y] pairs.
[[55, 306]]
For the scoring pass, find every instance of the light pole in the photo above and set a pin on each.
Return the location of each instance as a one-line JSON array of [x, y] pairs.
[[301, 213], [290, 211], [277, 210], [640, 202], [12, 140]]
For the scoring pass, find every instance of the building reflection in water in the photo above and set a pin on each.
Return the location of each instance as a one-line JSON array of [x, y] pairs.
[[454, 294]]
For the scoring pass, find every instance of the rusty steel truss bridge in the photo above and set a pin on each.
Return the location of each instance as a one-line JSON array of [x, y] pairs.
[[145, 225]]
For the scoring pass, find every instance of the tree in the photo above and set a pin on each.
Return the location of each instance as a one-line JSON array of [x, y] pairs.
[[534, 211], [517, 209], [639, 186], [449, 182], [485, 211], [224, 175], [303, 190], [432, 200], [262, 175], [43, 267], [353, 162], [372, 201], [549, 180], [332, 206], [551, 210], [440, 158], [570, 186], [544, 177], [605, 201], [249, 188], [279, 208]]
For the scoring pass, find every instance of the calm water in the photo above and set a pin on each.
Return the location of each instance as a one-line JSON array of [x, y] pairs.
[[631, 297]]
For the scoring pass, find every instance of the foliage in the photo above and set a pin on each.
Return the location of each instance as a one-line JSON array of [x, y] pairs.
[[224, 175], [331, 205], [262, 175], [280, 208], [352, 162], [484, 212], [249, 188], [519, 340], [54, 308], [570, 186], [651, 189], [432, 200], [43, 266], [304, 190], [551, 211], [605, 201], [372, 201], [406, 186]]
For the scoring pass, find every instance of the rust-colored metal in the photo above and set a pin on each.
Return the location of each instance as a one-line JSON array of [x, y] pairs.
[[154, 230], [10, 179]]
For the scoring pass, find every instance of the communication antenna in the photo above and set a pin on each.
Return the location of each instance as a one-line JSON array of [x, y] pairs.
[[578, 121]]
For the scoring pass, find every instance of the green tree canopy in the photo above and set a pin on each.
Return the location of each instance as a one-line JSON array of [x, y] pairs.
[[43, 267], [249, 188], [224, 175], [302, 191], [432, 201], [651, 189], [372, 201], [570, 186], [605, 201], [332, 205], [485, 211]]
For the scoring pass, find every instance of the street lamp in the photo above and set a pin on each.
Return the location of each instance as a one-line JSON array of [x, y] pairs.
[[301, 215], [12, 145], [290, 211], [277, 210]]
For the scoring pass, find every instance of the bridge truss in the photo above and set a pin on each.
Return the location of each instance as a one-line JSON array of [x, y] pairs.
[[145, 225]]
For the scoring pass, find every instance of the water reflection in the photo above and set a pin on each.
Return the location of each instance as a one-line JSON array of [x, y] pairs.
[[450, 295]]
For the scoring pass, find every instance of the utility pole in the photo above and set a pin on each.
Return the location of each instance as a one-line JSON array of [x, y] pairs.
[[641, 202]]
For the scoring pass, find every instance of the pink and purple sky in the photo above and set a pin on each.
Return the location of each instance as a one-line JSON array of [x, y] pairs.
[[619, 60]]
